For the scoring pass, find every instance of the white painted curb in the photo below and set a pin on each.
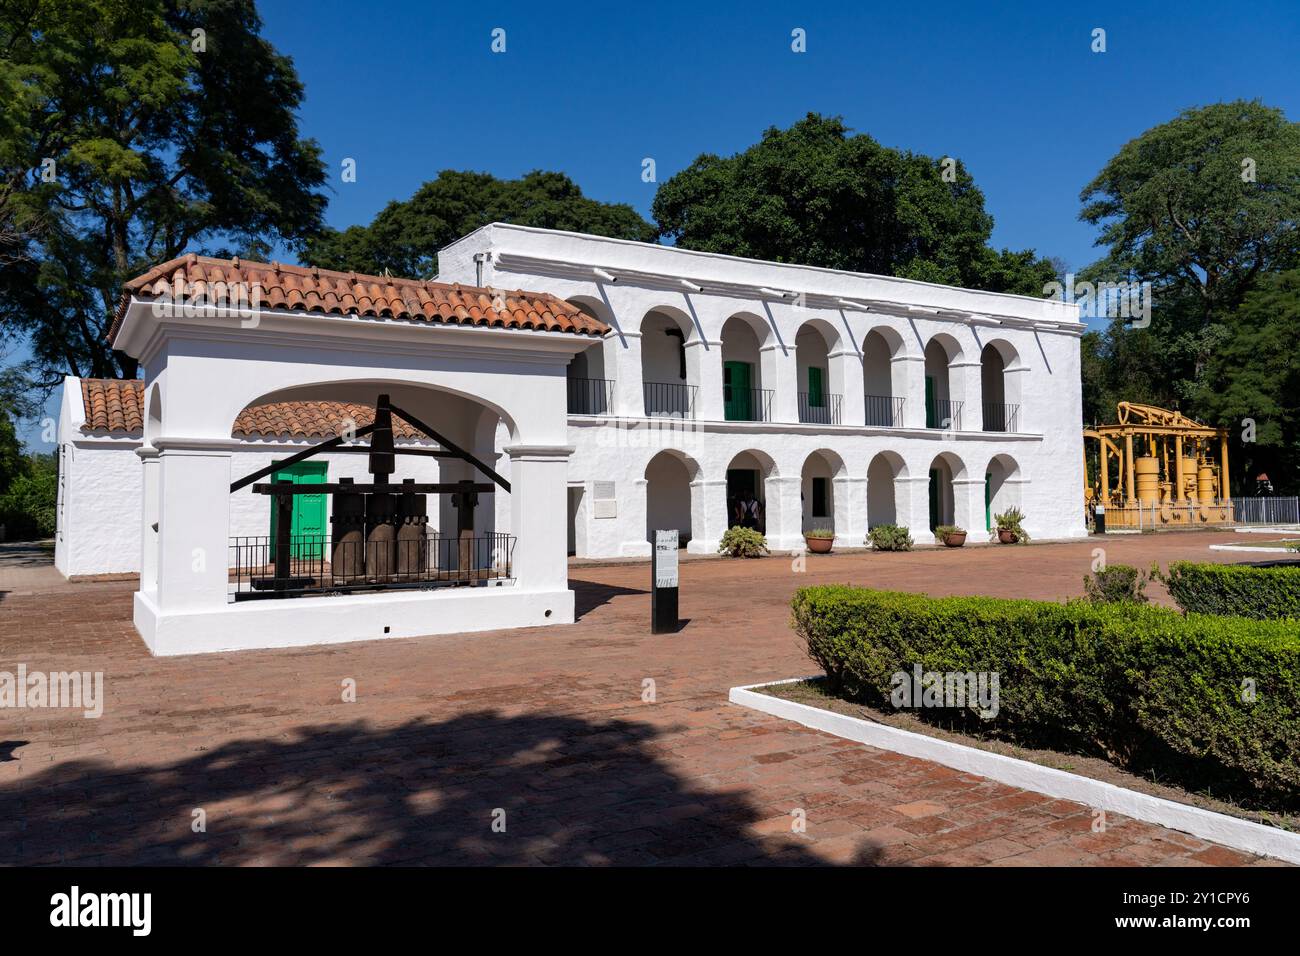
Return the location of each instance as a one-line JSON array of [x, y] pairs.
[[1254, 549], [1205, 824]]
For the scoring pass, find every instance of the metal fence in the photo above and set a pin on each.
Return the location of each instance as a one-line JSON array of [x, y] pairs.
[[1001, 417], [884, 411], [944, 413], [815, 409], [746, 404], [669, 400], [590, 396], [1266, 510], [318, 564]]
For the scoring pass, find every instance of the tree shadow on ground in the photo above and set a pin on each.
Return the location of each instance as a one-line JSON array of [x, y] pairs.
[[569, 791]]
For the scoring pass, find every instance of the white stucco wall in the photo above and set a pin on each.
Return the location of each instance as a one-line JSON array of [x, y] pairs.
[[1041, 336]]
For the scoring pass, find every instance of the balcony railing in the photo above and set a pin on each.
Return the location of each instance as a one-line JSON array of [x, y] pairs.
[[1001, 417], [746, 404], [884, 411], [400, 556], [943, 413], [819, 408], [590, 396], [669, 400]]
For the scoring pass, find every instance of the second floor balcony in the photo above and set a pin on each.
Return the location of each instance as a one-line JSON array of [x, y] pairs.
[[669, 399], [746, 404], [590, 396], [943, 413], [1001, 417], [883, 411], [819, 408]]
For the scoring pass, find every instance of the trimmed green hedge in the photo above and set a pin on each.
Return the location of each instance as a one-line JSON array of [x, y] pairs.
[[1146, 688], [1236, 589]]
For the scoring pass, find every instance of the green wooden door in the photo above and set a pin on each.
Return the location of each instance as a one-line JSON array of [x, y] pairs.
[[931, 407], [988, 501], [935, 478], [737, 399], [308, 510], [816, 396]]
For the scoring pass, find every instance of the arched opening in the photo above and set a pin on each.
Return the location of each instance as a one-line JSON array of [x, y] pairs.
[[1000, 387], [747, 497], [882, 378], [820, 380], [323, 493], [817, 490], [153, 417], [1002, 480], [590, 378], [668, 495], [945, 468], [942, 384], [743, 397], [882, 501], [668, 387]]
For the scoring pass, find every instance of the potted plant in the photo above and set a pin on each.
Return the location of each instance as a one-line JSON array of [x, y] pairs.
[[819, 540], [1008, 528], [951, 535]]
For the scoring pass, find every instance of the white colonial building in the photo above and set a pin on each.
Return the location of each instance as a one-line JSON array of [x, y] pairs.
[[634, 387], [840, 399]]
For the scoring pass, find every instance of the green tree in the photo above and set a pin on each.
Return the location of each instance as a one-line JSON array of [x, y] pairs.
[[405, 237], [1252, 374], [131, 131], [1201, 207], [815, 194]]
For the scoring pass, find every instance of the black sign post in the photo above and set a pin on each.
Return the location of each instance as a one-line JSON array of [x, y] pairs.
[[663, 583]]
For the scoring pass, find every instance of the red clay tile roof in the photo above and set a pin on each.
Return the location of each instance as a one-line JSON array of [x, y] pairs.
[[308, 289], [118, 405]]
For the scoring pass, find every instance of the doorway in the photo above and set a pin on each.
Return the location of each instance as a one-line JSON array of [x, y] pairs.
[[307, 531]]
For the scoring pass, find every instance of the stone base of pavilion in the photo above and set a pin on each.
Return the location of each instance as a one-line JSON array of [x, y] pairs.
[[299, 622]]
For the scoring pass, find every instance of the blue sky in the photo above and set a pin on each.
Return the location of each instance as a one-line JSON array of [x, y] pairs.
[[409, 88]]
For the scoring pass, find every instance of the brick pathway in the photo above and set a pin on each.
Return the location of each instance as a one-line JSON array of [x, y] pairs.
[[547, 725]]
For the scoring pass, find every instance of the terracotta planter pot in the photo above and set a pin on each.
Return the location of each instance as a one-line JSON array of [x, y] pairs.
[[1007, 537], [819, 545], [954, 540]]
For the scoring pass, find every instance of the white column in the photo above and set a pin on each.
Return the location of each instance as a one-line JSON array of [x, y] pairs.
[[968, 504], [911, 370], [150, 482], [850, 504], [784, 512], [632, 521], [852, 406], [539, 482], [708, 515], [912, 506], [783, 379], [193, 527], [704, 369], [629, 398], [964, 384]]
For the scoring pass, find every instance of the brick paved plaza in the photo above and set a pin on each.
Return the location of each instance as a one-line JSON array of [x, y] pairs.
[[548, 724]]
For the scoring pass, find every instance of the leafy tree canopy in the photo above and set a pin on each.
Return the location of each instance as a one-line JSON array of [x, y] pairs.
[[405, 237], [1201, 206], [131, 131], [815, 194]]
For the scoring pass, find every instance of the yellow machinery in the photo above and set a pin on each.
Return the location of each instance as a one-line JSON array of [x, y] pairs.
[[1164, 470]]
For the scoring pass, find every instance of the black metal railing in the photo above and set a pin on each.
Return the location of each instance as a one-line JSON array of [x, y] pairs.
[[669, 400], [943, 413], [1001, 417], [393, 558], [746, 404], [884, 411], [590, 396], [819, 408]]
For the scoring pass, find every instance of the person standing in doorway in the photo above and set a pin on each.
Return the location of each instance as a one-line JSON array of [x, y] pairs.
[[750, 511]]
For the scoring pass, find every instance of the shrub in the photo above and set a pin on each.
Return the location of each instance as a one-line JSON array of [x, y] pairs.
[[27, 509], [1262, 593], [1010, 520], [819, 533], [946, 529], [890, 537], [741, 542], [1144, 687], [1116, 584]]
